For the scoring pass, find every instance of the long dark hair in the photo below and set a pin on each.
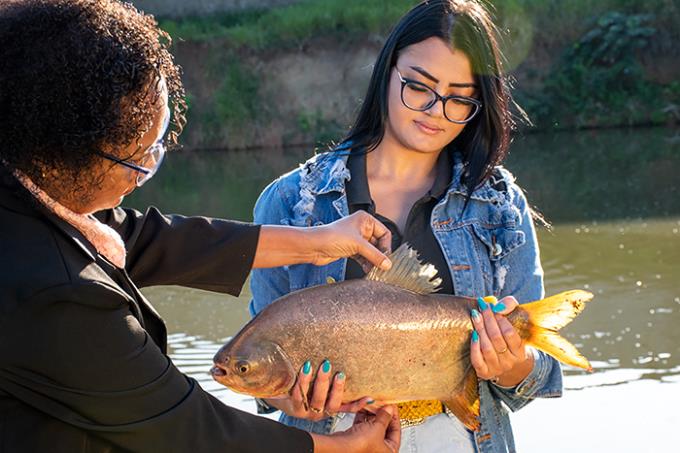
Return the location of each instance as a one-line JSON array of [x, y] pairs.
[[468, 27]]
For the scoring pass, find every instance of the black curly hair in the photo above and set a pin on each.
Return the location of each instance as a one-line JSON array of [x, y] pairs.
[[75, 78]]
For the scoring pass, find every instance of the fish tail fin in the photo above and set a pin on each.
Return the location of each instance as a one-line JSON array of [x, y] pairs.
[[465, 404], [547, 316]]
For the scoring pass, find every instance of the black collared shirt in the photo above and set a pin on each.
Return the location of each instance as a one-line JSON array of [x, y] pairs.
[[417, 232]]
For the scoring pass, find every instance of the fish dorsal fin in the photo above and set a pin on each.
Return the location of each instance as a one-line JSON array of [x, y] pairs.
[[408, 272]]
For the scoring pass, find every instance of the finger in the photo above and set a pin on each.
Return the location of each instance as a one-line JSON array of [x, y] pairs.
[[511, 337], [491, 327], [317, 402], [477, 358], [300, 390], [384, 416], [505, 306], [356, 406], [362, 417], [393, 434], [335, 395], [373, 255], [372, 228], [366, 266], [488, 352]]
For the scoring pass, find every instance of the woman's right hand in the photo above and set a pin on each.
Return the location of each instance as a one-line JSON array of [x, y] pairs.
[[325, 399], [371, 433]]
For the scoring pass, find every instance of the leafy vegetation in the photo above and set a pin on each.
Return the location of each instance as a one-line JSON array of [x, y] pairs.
[[579, 63], [599, 81]]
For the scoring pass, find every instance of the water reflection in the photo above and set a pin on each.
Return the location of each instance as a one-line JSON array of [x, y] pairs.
[[613, 199]]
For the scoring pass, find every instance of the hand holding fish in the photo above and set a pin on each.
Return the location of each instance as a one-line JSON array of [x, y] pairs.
[[370, 433], [360, 236], [325, 399], [497, 352]]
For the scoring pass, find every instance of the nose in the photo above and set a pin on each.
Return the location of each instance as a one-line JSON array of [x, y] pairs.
[[437, 109]]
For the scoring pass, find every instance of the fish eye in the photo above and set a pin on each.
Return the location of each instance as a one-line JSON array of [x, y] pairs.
[[242, 367]]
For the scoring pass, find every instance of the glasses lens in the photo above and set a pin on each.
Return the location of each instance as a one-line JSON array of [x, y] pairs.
[[153, 159], [417, 97], [460, 110]]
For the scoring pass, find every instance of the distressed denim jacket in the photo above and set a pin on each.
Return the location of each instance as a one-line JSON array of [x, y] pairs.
[[490, 248]]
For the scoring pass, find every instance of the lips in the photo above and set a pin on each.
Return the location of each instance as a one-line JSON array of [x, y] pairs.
[[427, 128]]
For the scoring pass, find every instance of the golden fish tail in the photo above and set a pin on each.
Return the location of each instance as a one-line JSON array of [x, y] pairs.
[[546, 317]]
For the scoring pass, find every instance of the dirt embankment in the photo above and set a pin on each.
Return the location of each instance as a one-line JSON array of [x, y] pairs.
[[310, 95]]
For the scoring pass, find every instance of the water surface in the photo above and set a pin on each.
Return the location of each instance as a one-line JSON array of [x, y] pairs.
[[613, 199]]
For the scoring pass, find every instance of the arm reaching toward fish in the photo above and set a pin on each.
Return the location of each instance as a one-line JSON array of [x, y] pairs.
[[497, 352], [371, 433], [359, 234]]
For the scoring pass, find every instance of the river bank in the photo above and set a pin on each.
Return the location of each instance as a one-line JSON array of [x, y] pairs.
[[295, 75]]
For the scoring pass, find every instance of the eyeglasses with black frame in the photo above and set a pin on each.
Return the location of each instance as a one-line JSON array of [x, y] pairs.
[[419, 97], [151, 159]]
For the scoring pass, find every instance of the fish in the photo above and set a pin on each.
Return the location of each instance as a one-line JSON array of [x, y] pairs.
[[392, 336]]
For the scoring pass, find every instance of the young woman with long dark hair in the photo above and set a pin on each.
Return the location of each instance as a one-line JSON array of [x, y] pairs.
[[424, 156]]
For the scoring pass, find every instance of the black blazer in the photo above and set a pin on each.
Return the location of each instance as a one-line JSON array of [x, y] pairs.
[[82, 353]]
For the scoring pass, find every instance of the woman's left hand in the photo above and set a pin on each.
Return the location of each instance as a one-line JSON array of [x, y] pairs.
[[497, 352]]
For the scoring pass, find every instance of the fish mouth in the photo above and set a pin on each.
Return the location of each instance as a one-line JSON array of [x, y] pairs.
[[217, 372]]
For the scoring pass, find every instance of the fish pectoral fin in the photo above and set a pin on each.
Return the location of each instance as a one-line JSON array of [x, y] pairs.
[[465, 403], [407, 272]]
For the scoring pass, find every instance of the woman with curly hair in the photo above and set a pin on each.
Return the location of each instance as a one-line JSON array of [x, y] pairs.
[[87, 91]]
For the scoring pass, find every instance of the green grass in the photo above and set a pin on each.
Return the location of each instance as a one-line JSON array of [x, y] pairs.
[[292, 25]]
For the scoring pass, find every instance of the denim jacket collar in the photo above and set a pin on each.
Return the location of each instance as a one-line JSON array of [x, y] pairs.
[[486, 192], [327, 172]]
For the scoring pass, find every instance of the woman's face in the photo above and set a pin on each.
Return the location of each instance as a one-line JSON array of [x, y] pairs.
[[448, 72], [118, 180]]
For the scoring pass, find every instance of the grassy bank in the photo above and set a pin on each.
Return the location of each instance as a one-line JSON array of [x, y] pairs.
[[577, 64]]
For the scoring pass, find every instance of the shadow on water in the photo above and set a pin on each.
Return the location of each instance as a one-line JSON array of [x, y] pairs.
[[613, 197]]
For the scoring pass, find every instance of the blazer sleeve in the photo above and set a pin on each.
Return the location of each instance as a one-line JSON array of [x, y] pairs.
[[199, 252], [76, 353], [525, 283], [273, 207]]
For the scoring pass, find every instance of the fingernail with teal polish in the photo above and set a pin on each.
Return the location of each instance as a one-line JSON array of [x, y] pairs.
[[475, 314], [340, 376], [499, 307], [371, 401], [482, 305], [326, 366], [475, 336], [307, 367]]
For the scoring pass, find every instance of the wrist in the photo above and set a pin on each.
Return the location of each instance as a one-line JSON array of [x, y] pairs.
[[328, 444]]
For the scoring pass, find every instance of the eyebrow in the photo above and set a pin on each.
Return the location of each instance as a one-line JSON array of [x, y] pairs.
[[426, 74]]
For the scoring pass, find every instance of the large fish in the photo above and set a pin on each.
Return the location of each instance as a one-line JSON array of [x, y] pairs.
[[394, 339]]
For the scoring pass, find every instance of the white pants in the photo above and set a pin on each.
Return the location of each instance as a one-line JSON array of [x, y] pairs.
[[439, 433]]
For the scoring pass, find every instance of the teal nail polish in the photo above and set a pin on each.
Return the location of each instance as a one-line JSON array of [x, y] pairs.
[[497, 308], [326, 366], [340, 376], [482, 305], [475, 336], [371, 401], [475, 314], [307, 367]]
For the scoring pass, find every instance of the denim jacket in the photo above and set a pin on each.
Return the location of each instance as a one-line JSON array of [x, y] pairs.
[[490, 247]]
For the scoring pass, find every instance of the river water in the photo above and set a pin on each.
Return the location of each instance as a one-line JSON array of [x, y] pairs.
[[613, 198]]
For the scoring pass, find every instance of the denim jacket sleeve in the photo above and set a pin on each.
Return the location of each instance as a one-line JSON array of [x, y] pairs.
[[266, 285], [526, 285]]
